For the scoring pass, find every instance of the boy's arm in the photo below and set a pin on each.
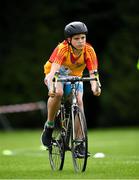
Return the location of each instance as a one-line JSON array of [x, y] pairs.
[[95, 85], [48, 78]]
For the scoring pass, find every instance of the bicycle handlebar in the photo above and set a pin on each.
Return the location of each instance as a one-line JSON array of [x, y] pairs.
[[73, 79]]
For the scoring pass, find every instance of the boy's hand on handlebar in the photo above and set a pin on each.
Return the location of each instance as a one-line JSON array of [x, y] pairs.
[[97, 92], [48, 82], [95, 88]]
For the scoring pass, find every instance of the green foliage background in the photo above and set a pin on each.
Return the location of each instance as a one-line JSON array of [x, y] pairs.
[[30, 30]]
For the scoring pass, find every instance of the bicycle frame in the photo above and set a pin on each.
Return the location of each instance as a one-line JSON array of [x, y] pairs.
[[64, 115], [73, 103]]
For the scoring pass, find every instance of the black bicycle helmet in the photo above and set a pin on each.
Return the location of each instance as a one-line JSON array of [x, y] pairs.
[[74, 28]]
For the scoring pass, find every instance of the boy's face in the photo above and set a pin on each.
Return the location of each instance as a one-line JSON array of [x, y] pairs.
[[78, 41]]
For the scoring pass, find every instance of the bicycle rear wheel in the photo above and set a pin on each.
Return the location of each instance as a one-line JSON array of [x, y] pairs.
[[57, 149], [79, 140]]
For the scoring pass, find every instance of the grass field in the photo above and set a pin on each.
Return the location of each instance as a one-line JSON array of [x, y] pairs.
[[28, 161]]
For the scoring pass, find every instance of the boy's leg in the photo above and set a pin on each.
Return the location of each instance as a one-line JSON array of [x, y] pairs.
[[80, 96], [52, 108]]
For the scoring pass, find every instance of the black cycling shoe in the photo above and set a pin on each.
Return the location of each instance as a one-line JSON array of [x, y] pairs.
[[80, 151], [46, 136]]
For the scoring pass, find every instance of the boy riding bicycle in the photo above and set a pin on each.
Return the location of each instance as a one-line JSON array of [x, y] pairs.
[[70, 58]]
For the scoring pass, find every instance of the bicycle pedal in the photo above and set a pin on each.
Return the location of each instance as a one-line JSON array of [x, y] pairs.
[[88, 154]]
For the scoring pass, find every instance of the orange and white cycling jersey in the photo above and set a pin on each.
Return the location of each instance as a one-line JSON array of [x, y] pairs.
[[72, 64]]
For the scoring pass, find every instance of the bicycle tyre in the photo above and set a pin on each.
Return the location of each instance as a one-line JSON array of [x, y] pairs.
[[57, 149], [78, 117]]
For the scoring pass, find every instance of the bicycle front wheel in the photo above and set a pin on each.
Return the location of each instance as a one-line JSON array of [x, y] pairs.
[[79, 140], [57, 149]]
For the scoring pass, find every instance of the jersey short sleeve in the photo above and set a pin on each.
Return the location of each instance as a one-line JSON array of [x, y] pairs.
[[59, 53], [90, 58]]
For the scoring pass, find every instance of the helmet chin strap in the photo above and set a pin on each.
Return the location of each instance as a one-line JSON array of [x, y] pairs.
[[73, 47], [69, 42]]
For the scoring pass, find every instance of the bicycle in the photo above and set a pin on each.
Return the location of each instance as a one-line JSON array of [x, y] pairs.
[[70, 130]]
